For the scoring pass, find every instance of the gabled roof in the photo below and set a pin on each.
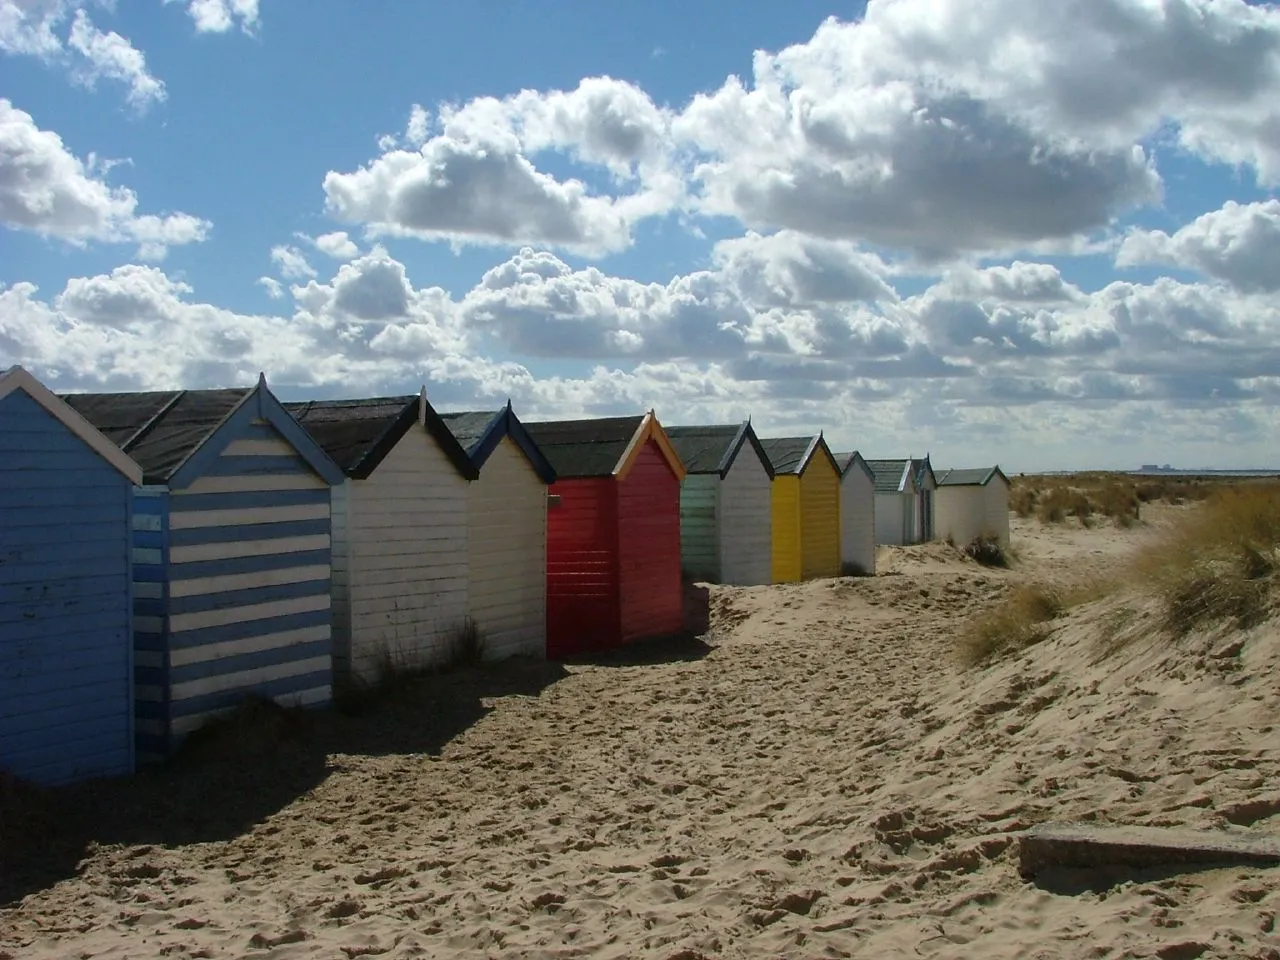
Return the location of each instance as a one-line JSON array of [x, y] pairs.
[[713, 449], [978, 477], [168, 433], [607, 446], [890, 475], [853, 461], [359, 434], [18, 379], [480, 433], [921, 467], [792, 455]]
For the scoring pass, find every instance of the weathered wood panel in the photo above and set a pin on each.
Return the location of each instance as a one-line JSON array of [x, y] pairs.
[[652, 596], [700, 527], [406, 557], [507, 568], [746, 522], [820, 519], [857, 523], [66, 684], [786, 529]]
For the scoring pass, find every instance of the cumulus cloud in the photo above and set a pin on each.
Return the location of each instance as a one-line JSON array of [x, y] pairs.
[[470, 177], [47, 190], [273, 287], [219, 16], [337, 245], [1032, 375], [1238, 243], [32, 28], [291, 262]]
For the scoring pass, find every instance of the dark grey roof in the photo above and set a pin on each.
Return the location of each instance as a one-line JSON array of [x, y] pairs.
[[919, 468], [159, 430], [888, 474], [787, 454], [358, 434], [703, 449], [469, 427], [976, 477], [584, 448], [349, 429]]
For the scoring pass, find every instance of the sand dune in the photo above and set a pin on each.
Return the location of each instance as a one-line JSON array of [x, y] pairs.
[[821, 779]]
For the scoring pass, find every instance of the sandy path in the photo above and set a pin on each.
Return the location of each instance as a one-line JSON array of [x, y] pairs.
[[822, 781]]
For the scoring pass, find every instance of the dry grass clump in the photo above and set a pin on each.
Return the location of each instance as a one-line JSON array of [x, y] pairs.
[[1220, 564], [1085, 497], [987, 551], [1020, 620]]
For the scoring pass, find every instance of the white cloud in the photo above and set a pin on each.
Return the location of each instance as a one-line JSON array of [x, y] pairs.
[[337, 245], [30, 27], [1238, 243], [219, 16], [47, 190], [474, 192], [1124, 372], [291, 262], [110, 56], [274, 288]]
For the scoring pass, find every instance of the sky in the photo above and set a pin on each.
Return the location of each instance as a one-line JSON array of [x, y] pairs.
[[1040, 235]]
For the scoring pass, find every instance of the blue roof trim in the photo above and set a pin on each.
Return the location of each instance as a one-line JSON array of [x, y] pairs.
[[505, 423], [261, 403]]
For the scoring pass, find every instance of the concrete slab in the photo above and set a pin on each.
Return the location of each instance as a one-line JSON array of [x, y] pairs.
[[1088, 845]]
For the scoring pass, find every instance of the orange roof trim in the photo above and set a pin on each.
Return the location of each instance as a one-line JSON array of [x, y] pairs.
[[650, 429]]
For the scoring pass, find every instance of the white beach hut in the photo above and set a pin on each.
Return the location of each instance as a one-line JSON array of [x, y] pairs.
[[973, 503], [726, 516], [399, 532], [507, 532], [904, 500], [857, 515]]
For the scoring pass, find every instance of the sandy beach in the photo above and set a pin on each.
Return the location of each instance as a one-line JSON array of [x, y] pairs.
[[819, 777]]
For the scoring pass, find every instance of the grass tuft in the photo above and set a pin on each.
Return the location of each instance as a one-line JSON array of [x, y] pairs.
[[987, 551], [1220, 564], [1018, 621]]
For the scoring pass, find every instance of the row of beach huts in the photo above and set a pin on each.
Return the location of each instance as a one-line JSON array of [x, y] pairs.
[[165, 555]]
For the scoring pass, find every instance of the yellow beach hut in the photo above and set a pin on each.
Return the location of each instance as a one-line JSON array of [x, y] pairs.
[[806, 508]]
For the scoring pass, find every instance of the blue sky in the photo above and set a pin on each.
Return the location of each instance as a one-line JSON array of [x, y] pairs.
[[1048, 238]]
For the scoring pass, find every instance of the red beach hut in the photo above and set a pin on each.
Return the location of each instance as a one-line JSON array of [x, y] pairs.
[[613, 532]]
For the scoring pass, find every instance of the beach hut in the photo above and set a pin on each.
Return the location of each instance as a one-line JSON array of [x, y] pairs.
[[971, 504], [66, 609], [613, 533], [230, 551], [399, 534], [857, 515], [726, 518], [806, 508], [904, 500], [506, 532]]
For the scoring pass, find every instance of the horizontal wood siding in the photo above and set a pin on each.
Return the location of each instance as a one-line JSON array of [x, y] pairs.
[[820, 519], [150, 634], [996, 512], [700, 527], [786, 529], [407, 559], [857, 523], [746, 522], [65, 619], [507, 571], [649, 547], [890, 519], [582, 566], [248, 611], [340, 579]]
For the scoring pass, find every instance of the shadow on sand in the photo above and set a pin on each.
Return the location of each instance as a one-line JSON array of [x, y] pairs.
[[241, 770], [674, 648]]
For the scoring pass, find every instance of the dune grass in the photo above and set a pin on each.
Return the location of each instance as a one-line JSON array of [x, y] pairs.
[[1087, 498], [1018, 621]]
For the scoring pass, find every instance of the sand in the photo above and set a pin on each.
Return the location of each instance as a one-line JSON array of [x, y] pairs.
[[820, 778]]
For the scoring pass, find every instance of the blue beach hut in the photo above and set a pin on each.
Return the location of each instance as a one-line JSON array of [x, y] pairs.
[[66, 685], [231, 554]]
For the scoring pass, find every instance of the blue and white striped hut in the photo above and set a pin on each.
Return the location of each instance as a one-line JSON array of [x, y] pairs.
[[231, 554], [66, 645]]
